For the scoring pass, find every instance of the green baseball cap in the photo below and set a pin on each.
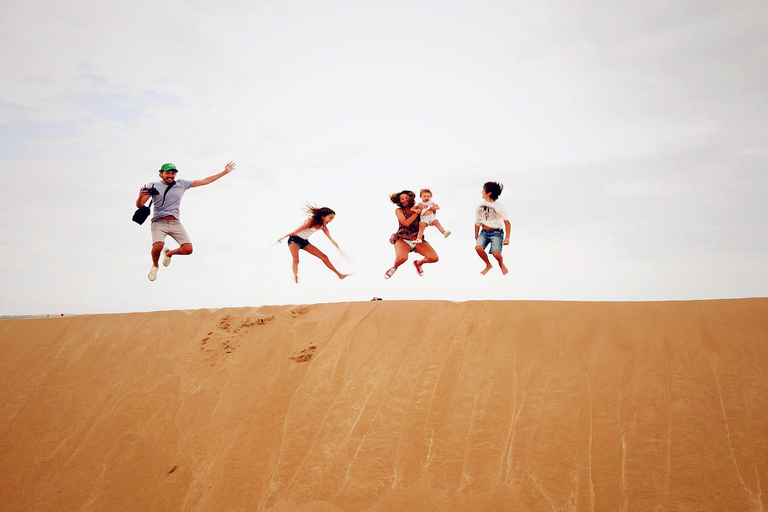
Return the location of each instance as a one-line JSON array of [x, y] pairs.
[[168, 167]]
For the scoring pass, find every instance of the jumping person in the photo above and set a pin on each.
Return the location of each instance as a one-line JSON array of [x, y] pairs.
[[166, 220], [491, 224], [429, 215], [318, 220], [408, 229]]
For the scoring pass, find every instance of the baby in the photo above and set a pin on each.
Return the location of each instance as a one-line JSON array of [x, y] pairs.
[[428, 217]]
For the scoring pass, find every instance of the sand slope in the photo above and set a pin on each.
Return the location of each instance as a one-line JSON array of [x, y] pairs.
[[384, 406]]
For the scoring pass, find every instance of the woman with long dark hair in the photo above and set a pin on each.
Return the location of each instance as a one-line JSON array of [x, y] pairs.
[[318, 220], [408, 231]]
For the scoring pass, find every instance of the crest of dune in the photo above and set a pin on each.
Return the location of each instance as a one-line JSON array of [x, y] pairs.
[[389, 406]]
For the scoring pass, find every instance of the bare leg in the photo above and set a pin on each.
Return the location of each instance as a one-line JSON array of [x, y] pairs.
[[500, 259], [426, 250], [157, 249], [184, 250], [401, 253], [314, 251], [484, 257], [401, 256], [295, 253], [422, 227], [439, 226]]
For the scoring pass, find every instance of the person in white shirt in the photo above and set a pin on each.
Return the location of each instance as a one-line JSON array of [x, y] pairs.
[[428, 217], [319, 218], [491, 225]]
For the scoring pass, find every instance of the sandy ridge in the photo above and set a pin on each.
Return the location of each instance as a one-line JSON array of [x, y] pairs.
[[419, 405]]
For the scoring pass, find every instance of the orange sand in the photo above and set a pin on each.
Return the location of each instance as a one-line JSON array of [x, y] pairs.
[[389, 406]]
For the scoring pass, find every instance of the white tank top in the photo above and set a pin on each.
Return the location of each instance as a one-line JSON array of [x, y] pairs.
[[306, 233]]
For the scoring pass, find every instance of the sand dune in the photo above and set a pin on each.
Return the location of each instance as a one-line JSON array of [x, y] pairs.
[[389, 406]]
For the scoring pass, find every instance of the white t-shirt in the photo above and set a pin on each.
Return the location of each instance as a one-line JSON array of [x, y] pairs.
[[491, 214], [424, 212]]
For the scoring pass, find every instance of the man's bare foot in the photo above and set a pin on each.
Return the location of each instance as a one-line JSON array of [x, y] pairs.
[[486, 269], [504, 269]]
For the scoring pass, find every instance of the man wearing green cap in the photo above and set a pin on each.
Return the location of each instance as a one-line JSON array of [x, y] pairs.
[[166, 220]]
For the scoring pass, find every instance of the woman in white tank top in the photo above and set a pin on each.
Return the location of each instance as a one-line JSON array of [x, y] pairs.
[[299, 239]]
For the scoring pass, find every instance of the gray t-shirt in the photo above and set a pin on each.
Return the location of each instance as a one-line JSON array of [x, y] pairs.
[[172, 201]]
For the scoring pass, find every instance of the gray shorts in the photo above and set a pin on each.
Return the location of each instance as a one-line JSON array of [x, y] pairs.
[[163, 228]]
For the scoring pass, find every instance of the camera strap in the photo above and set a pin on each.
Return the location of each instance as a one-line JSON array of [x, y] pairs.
[[166, 191]]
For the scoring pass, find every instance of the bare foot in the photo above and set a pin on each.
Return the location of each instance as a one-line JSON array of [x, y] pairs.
[[342, 276], [486, 269], [296, 278], [504, 269]]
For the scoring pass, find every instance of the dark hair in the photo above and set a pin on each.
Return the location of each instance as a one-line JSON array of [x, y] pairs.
[[493, 189], [424, 190], [395, 198], [316, 213]]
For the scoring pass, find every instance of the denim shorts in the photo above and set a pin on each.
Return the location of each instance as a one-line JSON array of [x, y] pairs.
[[495, 237], [301, 242]]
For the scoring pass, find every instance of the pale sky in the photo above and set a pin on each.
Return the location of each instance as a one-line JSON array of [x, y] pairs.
[[631, 138]]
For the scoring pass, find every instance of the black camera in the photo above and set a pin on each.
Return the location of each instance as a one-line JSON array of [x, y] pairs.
[[152, 190]]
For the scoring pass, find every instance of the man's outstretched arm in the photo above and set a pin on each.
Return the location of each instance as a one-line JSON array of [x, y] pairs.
[[210, 179]]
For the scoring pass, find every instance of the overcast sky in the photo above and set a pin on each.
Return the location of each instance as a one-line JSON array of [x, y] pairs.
[[631, 138]]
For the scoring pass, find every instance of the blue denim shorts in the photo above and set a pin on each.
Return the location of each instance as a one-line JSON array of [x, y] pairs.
[[301, 242], [495, 237]]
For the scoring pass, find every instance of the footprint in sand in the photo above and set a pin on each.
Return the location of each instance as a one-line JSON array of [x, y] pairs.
[[305, 355], [300, 311], [250, 323]]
